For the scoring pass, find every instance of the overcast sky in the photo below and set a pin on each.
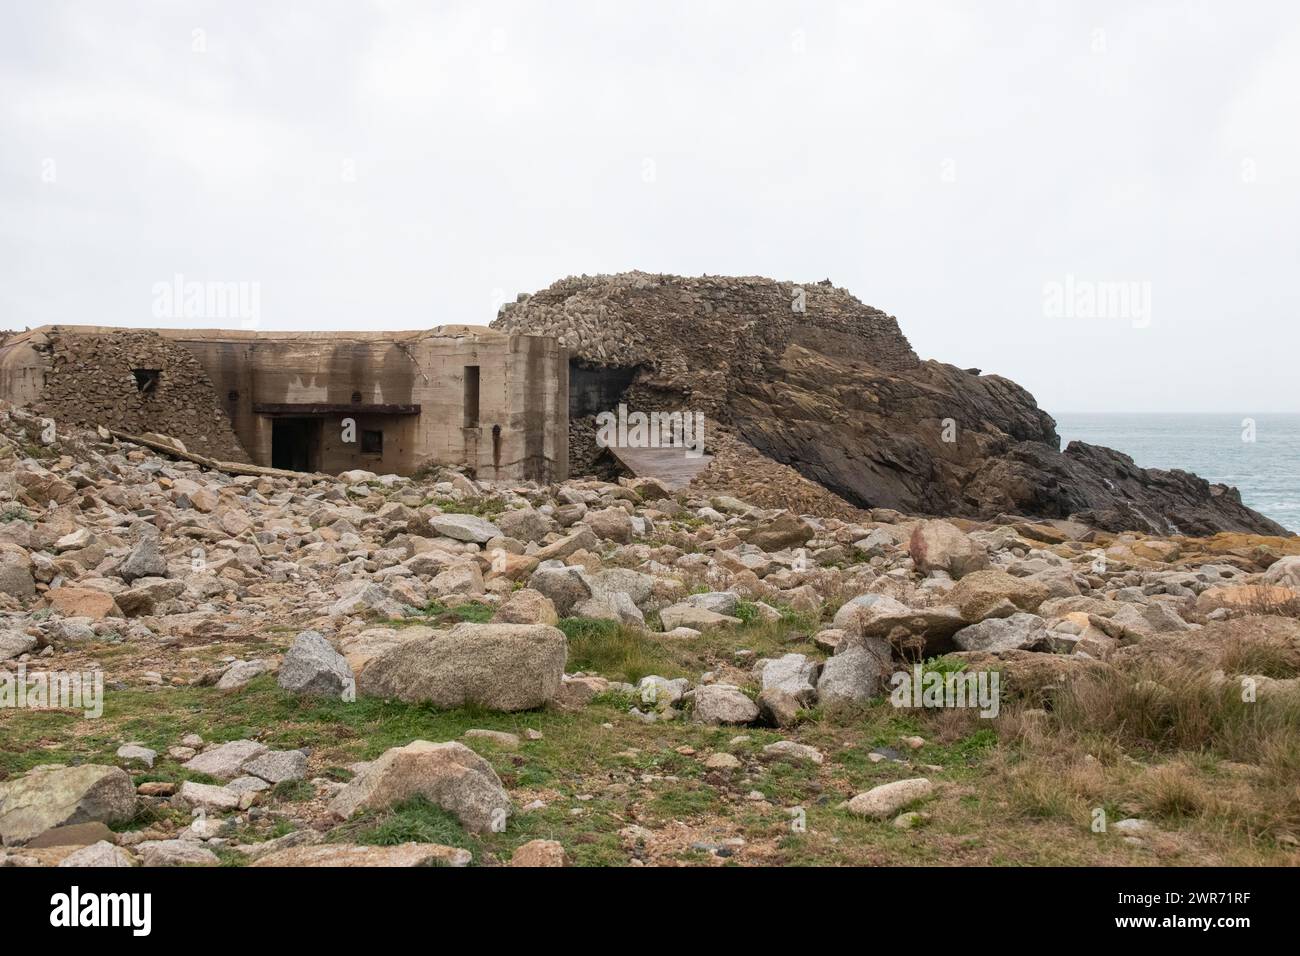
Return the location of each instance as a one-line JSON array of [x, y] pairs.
[[391, 165]]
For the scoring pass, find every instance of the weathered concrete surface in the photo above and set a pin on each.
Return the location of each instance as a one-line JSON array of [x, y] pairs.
[[222, 392]]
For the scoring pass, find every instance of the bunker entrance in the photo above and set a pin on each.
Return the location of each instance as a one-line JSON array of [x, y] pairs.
[[295, 443], [594, 389]]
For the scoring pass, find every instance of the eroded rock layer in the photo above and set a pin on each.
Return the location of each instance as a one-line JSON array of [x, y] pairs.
[[816, 380]]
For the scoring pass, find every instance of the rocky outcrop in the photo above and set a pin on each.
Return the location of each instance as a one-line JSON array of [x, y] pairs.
[[814, 379]]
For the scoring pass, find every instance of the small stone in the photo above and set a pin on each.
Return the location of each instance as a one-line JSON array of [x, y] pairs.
[[137, 754], [278, 766], [722, 761], [176, 853], [889, 798], [506, 741], [793, 752], [538, 853], [101, 854], [1133, 825]]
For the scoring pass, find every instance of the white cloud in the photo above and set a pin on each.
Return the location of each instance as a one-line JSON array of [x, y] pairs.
[[398, 165]]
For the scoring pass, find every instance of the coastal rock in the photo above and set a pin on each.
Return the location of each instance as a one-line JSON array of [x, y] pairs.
[[791, 386], [980, 594], [352, 855], [1020, 631], [46, 798], [504, 667], [449, 775], [313, 667], [724, 704], [940, 546], [888, 798], [853, 677]]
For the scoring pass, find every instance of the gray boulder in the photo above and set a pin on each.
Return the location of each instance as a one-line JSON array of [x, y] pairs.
[[449, 775], [503, 667], [938, 545], [525, 524], [176, 853], [1017, 632], [315, 668], [101, 854], [854, 676], [719, 602], [612, 606], [225, 761], [465, 528], [55, 797], [15, 643], [696, 618], [565, 586], [724, 704], [16, 577], [278, 766], [793, 674], [1283, 571], [146, 561]]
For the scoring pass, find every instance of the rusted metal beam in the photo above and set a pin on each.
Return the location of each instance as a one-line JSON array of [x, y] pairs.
[[327, 408]]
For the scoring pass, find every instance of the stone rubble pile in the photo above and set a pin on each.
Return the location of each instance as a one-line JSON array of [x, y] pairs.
[[105, 543]]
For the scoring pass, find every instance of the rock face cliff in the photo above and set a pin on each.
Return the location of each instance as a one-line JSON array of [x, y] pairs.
[[814, 379]]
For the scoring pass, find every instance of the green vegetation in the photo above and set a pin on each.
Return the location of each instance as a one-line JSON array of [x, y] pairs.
[[1216, 775], [481, 507], [438, 614]]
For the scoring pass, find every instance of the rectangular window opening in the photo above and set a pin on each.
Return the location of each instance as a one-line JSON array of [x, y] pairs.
[[372, 442], [471, 396]]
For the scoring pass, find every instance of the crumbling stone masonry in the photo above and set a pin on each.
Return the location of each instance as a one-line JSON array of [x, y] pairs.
[[136, 381], [389, 402]]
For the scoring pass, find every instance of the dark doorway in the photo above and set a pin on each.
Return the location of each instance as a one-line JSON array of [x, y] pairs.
[[295, 443], [597, 389]]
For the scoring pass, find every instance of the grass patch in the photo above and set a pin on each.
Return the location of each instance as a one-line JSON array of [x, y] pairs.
[[293, 791], [616, 651], [414, 821], [481, 507], [437, 614]]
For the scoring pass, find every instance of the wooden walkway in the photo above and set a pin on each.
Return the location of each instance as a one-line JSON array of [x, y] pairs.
[[672, 466]]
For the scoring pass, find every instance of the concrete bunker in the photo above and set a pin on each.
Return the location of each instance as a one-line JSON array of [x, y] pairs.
[[492, 404]]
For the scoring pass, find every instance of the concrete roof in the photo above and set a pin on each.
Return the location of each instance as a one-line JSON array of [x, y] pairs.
[[478, 332]]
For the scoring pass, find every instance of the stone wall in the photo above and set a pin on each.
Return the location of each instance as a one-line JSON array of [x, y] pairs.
[[90, 380]]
